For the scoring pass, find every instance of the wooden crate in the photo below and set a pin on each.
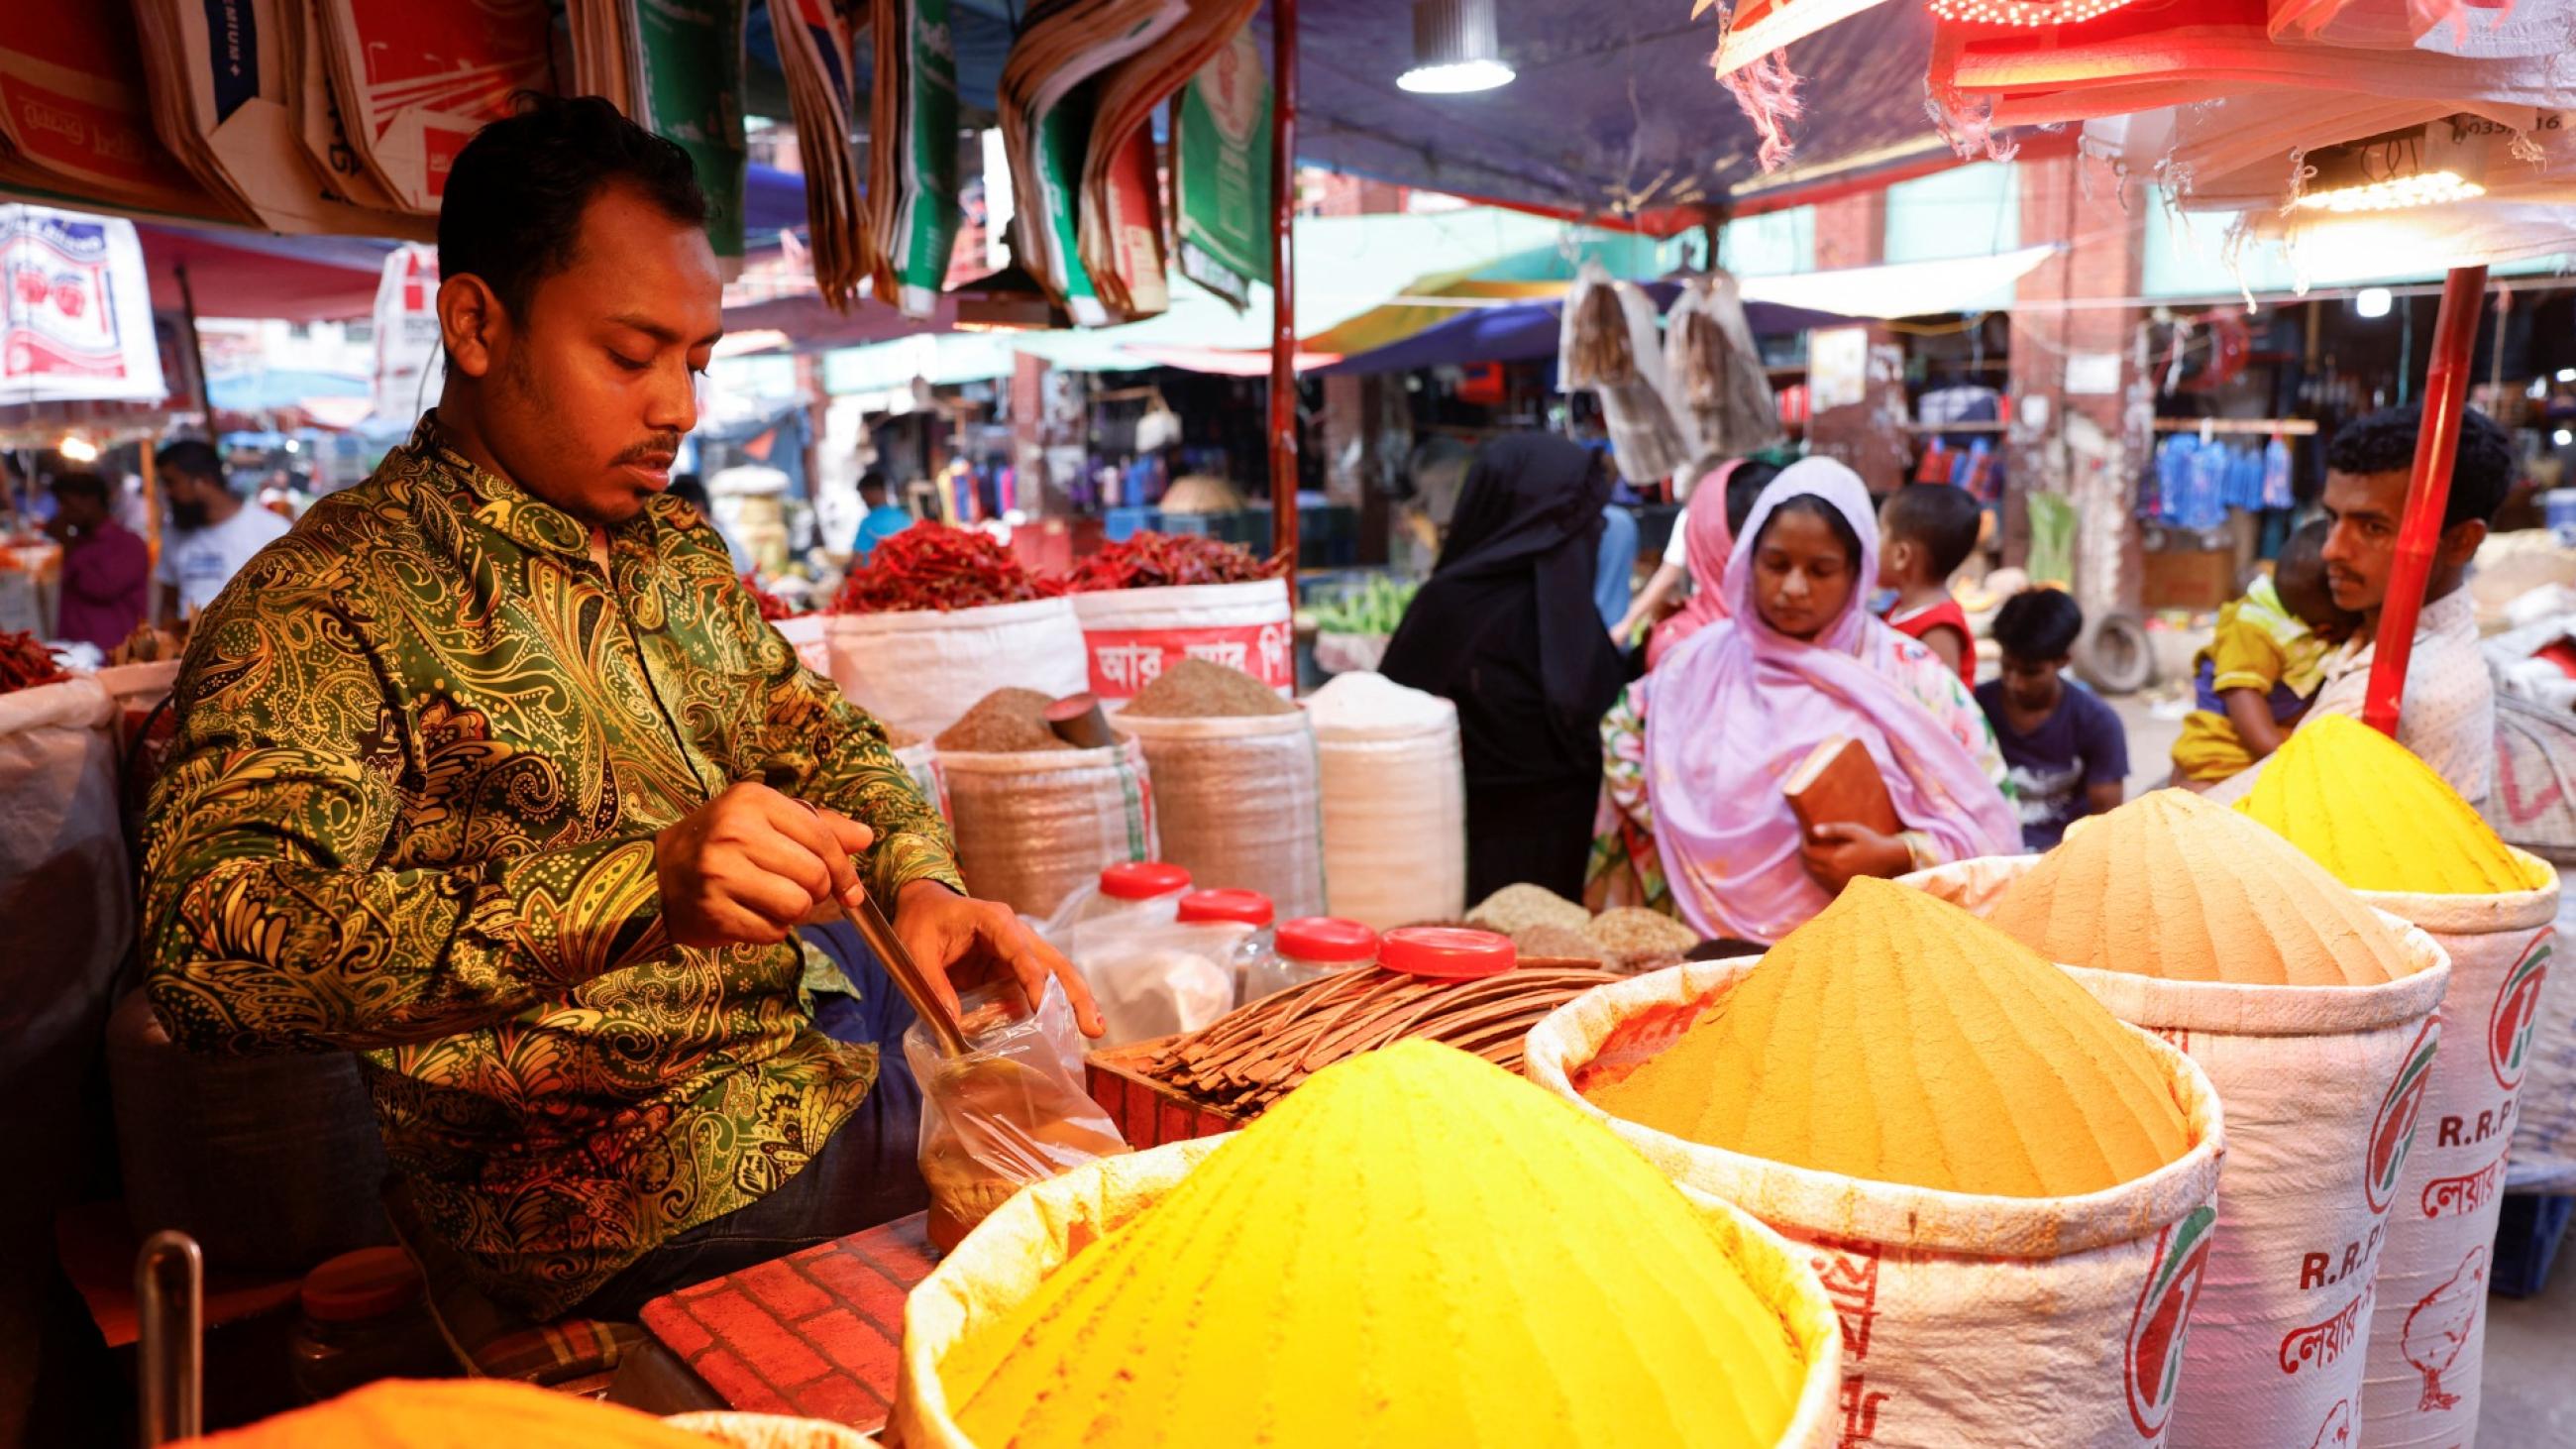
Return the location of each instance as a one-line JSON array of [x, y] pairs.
[[1147, 1112]]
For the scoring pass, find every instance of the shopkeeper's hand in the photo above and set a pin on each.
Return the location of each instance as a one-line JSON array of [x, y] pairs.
[[1836, 851], [746, 867], [962, 943]]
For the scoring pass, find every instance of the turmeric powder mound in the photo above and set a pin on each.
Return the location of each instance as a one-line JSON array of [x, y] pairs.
[[457, 1414], [1414, 1247], [2170, 885], [2380, 819], [1897, 1038]]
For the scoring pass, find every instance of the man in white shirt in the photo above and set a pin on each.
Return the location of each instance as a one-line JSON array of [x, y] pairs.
[[213, 532], [2447, 715]]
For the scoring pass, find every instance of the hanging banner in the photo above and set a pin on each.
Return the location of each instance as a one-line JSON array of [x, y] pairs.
[[1221, 172], [912, 183], [408, 366], [687, 81], [77, 321]]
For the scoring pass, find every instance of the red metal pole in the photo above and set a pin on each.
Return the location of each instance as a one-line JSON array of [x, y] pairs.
[[1283, 285], [2419, 534]]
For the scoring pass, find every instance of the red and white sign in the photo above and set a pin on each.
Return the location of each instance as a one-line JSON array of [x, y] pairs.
[[76, 317], [1130, 636]]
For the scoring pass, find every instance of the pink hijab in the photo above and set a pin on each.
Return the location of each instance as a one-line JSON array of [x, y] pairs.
[[1705, 546], [1737, 706]]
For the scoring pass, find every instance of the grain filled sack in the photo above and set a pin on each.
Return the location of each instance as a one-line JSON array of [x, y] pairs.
[[1395, 801], [1458, 1317], [919, 670], [1967, 1318], [2322, 1087], [1033, 825], [1130, 636], [1238, 803]]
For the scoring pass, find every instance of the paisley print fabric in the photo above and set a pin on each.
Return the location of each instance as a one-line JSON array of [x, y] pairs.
[[424, 744]]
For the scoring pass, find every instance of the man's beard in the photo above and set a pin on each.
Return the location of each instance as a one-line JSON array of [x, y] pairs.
[[188, 517]]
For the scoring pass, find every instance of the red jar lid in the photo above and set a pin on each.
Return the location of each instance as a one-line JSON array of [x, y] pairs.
[[1326, 938], [1142, 880], [1250, 907], [368, 1283], [1447, 953]]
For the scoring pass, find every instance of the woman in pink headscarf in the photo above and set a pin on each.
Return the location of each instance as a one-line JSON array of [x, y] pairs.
[[1697, 749], [1701, 545]]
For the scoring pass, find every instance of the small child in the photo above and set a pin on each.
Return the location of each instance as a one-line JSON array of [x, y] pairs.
[[2263, 665], [1926, 530], [2067, 752]]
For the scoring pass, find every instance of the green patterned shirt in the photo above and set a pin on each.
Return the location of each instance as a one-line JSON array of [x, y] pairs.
[[424, 745]]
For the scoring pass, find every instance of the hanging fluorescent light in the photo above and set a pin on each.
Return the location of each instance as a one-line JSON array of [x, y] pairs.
[[2372, 302], [2426, 165], [77, 449], [1454, 49]]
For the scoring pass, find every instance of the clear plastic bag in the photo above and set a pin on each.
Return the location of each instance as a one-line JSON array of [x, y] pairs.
[[1009, 1112], [1156, 979]]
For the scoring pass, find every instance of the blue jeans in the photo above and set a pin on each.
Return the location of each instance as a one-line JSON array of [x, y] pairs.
[[867, 1173]]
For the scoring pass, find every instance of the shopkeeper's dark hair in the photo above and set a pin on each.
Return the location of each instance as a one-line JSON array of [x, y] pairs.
[[2384, 442], [2039, 624], [1938, 516], [516, 193], [1811, 504]]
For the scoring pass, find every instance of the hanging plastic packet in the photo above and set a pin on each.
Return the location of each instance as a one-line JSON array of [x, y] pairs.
[[1008, 1111]]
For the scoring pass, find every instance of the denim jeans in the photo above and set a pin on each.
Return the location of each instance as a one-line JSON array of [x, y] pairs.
[[867, 1173]]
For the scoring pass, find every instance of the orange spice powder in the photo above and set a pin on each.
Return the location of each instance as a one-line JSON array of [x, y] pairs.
[[2379, 818], [2172, 886], [1897, 1038]]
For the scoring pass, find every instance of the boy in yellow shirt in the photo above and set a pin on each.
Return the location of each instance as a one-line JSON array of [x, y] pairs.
[[2263, 665]]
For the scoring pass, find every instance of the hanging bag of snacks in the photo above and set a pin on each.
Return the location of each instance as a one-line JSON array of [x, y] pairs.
[[2009, 1195], [940, 617], [1036, 818], [1155, 599], [1237, 792], [2315, 1019]]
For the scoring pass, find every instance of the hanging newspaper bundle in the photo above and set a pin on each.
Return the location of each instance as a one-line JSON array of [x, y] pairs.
[[912, 152]]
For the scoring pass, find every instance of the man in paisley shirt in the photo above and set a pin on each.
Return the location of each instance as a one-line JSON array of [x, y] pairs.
[[491, 771]]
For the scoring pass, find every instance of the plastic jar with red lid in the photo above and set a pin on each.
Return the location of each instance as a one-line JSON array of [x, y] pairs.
[[1133, 892], [1307, 948], [1447, 953], [366, 1317], [1221, 911]]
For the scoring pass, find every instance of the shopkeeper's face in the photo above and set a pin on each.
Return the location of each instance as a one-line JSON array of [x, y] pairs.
[[2361, 545], [1802, 574], [584, 400]]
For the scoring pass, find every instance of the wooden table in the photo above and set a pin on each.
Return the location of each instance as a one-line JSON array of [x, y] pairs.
[[816, 1334]]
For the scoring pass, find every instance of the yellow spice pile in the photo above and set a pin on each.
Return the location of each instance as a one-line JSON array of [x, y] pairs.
[[2170, 885], [1413, 1248], [2379, 818], [1897, 1038]]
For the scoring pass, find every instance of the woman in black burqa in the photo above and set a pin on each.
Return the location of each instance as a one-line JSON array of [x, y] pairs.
[[1506, 629]]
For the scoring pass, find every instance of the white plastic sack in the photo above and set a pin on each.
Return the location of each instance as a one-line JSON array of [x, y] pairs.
[[1238, 803], [1041, 1228], [921, 759], [1130, 636], [1032, 826], [2544, 1140], [2428, 1339], [1395, 802], [919, 671], [2322, 1086], [810, 636], [1967, 1319]]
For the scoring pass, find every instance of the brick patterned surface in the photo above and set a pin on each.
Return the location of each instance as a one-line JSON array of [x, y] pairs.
[[816, 1333]]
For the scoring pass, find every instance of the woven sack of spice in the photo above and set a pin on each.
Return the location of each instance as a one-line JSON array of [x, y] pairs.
[[1033, 825], [1394, 799], [1238, 802], [2322, 1088], [67, 916], [1130, 636], [1036, 1234], [1967, 1318], [919, 670]]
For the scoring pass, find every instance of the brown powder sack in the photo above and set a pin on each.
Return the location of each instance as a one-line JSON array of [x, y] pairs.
[[898, 739], [2170, 885], [1005, 722], [1897, 1038], [1197, 689]]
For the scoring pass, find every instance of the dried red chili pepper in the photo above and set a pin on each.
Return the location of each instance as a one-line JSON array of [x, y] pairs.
[[25, 662], [931, 566], [1162, 560], [772, 607]]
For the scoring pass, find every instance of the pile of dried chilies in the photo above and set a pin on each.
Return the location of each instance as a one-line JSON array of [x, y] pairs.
[[933, 567], [1162, 560], [1250, 1057], [772, 607], [25, 662]]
